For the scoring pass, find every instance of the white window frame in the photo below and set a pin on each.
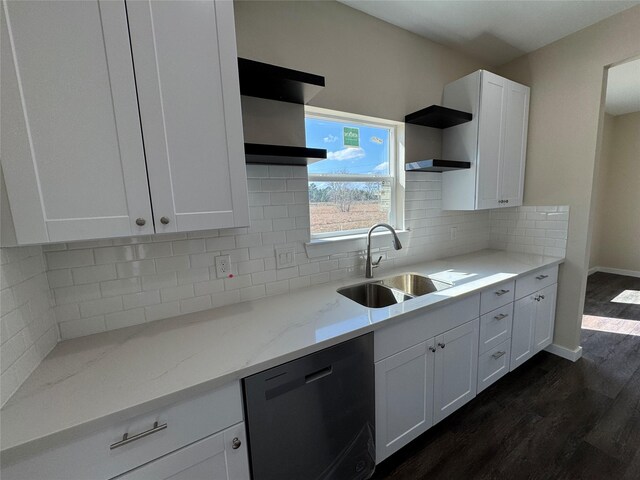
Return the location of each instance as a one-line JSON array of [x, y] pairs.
[[396, 168]]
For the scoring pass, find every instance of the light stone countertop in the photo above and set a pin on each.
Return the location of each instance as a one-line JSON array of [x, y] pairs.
[[91, 382]]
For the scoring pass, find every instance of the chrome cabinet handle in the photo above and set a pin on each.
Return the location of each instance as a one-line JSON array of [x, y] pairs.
[[432, 349], [126, 439], [498, 354], [235, 443], [501, 316], [541, 277], [541, 297], [502, 292], [442, 345], [140, 222], [164, 220]]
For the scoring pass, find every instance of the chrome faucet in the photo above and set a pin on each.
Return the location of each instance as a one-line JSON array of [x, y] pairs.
[[396, 244]]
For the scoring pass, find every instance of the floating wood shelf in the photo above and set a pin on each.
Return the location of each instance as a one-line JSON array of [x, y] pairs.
[[263, 80], [436, 165], [258, 153], [436, 116]]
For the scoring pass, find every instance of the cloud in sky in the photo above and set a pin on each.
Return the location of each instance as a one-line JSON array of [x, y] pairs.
[[381, 167], [346, 154], [330, 139]]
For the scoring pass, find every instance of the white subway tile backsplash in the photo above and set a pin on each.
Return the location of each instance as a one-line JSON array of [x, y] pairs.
[[539, 230], [93, 274], [221, 243], [100, 306], [158, 276], [126, 318], [28, 328], [169, 294], [141, 299], [195, 304], [159, 280], [120, 287], [136, 268], [172, 264], [66, 259], [211, 286]]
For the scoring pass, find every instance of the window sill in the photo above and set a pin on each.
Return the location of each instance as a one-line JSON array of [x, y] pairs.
[[323, 247]]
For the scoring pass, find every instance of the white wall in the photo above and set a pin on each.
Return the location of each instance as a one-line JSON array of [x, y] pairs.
[[616, 227], [566, 80], [28, 329]]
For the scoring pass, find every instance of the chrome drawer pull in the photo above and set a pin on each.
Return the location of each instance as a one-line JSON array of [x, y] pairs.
[[541, 277], [498, 355], [442, 345], [127, 439], [502, 292], [501, 316]]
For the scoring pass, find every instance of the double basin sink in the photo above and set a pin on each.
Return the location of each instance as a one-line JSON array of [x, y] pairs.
[[389, 291]]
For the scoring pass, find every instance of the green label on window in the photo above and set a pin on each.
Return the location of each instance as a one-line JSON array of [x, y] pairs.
[[351, 136]]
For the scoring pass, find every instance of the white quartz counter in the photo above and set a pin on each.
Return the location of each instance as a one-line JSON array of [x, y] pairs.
[[91, 382]]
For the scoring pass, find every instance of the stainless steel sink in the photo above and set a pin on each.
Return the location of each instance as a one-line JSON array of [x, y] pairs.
[[414, 284], [373, 295], [392, 290]]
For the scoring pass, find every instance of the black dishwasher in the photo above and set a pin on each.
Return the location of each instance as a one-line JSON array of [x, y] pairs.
[[313, 418]]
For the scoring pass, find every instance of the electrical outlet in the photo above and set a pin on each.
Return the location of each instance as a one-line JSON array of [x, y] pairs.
[[285, 257], [454, 232], [223, 266]]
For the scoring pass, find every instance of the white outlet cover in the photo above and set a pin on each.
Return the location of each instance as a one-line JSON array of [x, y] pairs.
[[223, 266], [285, 257]]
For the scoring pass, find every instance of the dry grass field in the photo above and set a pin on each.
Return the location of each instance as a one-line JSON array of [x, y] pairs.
[[327, 217]]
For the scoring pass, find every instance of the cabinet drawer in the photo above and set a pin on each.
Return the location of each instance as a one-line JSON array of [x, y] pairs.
[[496, 297], [493, 365], [421, 326], [536, 281], [213, 457], [495, 327], [94, 455]]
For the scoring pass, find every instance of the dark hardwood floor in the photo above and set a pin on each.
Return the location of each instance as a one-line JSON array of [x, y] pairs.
[[549, 419]]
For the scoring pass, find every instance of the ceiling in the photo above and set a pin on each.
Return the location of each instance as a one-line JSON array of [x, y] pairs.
[[623, 89], [492, 30]]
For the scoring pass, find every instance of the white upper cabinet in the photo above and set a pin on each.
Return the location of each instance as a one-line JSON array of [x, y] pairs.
[[494, 141], [186, 69], [72, 152], [75, 112]]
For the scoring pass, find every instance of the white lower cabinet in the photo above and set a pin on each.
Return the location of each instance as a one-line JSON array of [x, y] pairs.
[[218, 457], [524, 321], [545, 317], [533, 323], [422, 384], [404, 397], [190, 439], [456, 369]]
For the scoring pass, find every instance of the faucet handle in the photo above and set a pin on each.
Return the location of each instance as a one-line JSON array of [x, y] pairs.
[[377, 262]]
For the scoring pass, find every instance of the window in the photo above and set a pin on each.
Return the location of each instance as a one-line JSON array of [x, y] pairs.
[[358, 184]]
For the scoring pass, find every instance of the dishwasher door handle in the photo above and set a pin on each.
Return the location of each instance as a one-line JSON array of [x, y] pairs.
[[323, 372]]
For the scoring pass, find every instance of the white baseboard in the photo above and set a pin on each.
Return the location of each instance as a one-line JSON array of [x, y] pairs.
[[565, 352], [617, 271]]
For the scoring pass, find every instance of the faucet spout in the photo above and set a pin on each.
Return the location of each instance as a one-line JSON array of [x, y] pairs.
[[396, 245]]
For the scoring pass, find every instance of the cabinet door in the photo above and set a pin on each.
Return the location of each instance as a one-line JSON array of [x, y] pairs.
[[545, 317], [404, 397], [212, 458], [188, 89], [456, 369], [72, 150], [515, 144], [522, 334], [491, 131]]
